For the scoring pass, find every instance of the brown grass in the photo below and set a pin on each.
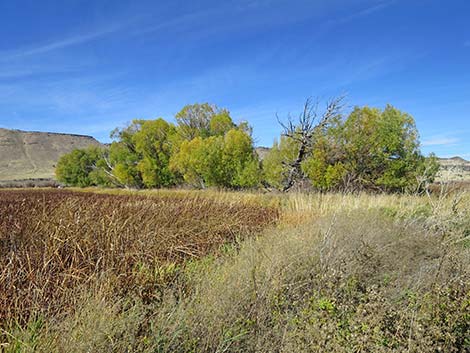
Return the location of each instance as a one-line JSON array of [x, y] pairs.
[[53, 243], [339, 273]]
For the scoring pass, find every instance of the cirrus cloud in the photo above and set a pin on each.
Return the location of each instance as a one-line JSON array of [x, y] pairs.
[[440, 141]]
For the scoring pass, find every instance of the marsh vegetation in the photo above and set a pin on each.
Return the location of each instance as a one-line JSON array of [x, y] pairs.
[[208, 271]]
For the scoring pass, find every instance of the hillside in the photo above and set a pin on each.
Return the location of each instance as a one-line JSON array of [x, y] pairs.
[[33, 155], [262, 152], [454, 169]]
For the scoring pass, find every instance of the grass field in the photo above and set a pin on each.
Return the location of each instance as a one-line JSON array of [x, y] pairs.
[[209, 271], [53, 242]]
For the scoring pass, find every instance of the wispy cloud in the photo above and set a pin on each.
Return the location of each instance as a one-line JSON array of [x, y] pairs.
[[67, 95], [62, 43], [440, 141], [178, 22], [9, 73], [90, 105], [26, 71], [362, 12], [241, 16]]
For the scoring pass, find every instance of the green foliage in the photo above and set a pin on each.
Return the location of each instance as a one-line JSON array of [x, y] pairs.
[[212, 150], [382, 148], [153, 144], [274, 162], [194, 120], [123, 156], [427, 170], [324, 176], [221, 123], [123, 164], [141, 153], [224, 161], [239, 159], [325, 166], [371, 149], [78, 168], [203, 120], [197, 161]]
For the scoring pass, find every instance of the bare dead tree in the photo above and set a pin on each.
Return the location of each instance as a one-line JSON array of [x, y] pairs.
[[303, 131]]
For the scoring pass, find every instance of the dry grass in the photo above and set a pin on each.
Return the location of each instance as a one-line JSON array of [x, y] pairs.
[[54, 242], [354, 273], [29, 183], [347, 282]]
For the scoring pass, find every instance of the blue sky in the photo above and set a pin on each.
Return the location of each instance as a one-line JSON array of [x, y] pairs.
[[89, 66]]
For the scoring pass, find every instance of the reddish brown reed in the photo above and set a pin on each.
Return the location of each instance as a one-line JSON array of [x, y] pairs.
[[53, 242]]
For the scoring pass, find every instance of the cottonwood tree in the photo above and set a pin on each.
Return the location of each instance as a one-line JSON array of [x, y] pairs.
[[381, 149], [302, 131], [78, 167], [372, 149], [202, 120], [221, 160], [153, 142]]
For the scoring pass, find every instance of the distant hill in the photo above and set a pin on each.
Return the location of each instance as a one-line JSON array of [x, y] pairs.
[[33, 155], [454, 169], [262, 152]]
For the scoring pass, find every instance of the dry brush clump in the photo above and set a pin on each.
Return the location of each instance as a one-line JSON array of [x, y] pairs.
[[356, 281], [55, 244]]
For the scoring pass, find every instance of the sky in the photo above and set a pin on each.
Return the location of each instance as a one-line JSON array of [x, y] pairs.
[[88, 66]]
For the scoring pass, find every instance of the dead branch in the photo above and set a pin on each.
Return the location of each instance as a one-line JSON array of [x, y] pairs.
[[303, 131]]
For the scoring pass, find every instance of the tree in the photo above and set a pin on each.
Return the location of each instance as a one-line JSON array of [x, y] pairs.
[[194, 120], [325, 166], [223, 161], [123, 159], [122, 165], [302, 132], [140, 155], [372, 149], [79, 167], [240, 161], [203, 120], [274, 167], [381, 149], [221, 123], [198, 161], [154, 145]]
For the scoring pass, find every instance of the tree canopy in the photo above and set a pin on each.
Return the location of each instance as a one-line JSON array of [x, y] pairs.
[[226, 160], [205, 148], [369, 149], [79, 167]]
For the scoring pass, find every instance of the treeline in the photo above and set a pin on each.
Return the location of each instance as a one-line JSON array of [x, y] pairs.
[[368, 149], [205, 148]]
